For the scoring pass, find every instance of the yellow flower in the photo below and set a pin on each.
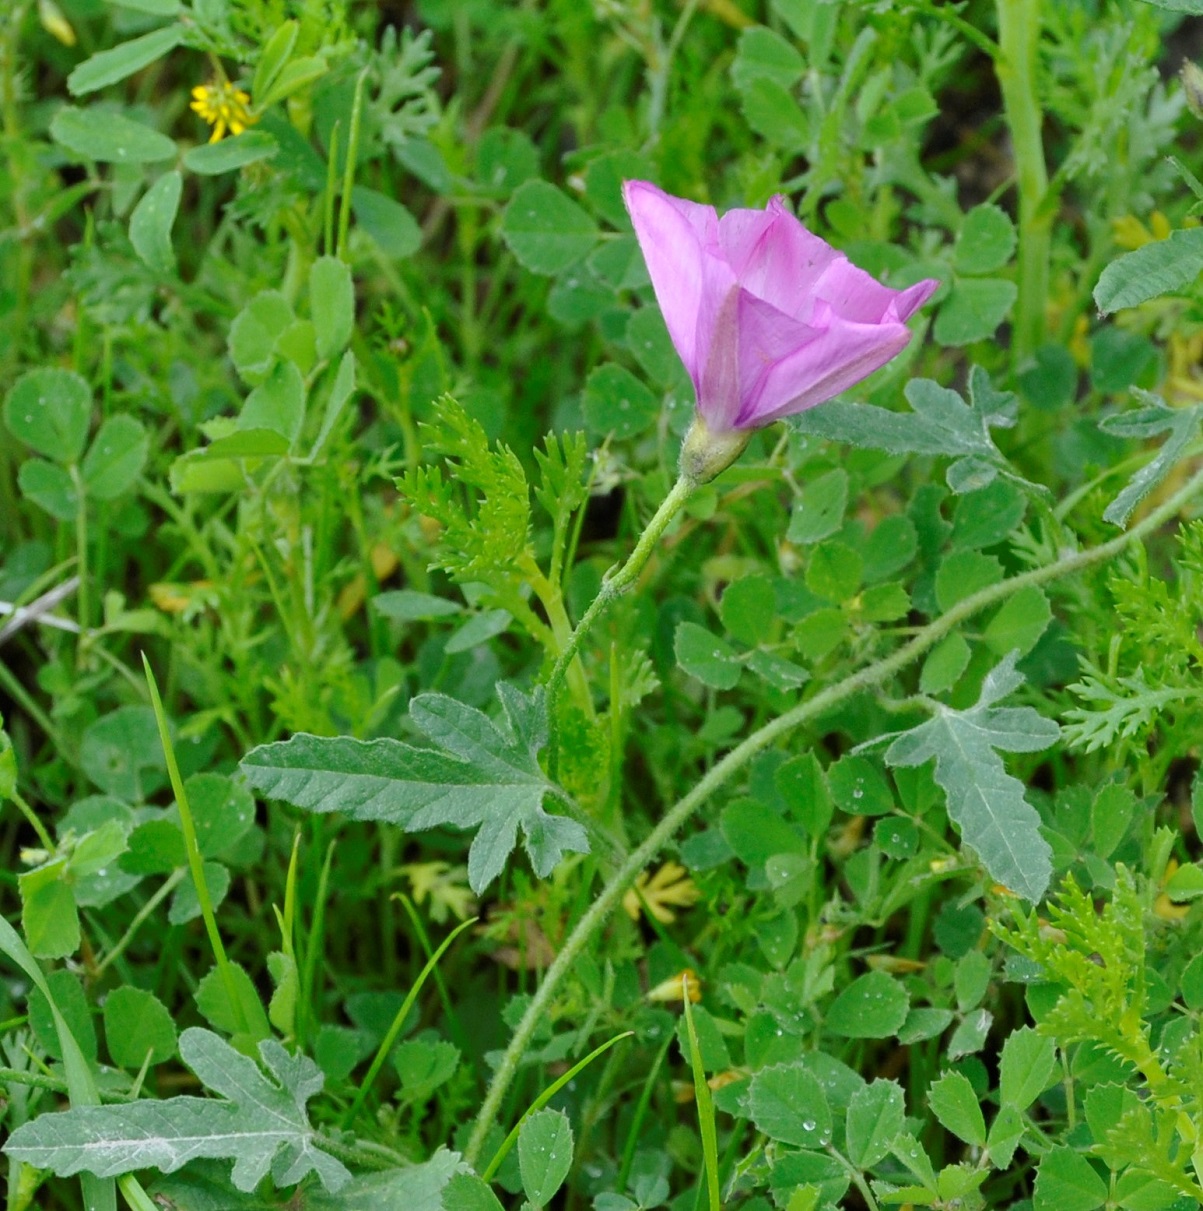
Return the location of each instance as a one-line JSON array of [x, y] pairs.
[[224, 107], [676, 987], [446, 887], [669, 885], [1130, 233]]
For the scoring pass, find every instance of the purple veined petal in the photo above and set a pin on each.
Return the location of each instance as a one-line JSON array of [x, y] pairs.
[[839, 357], [778, 261], [859, 297], [673, 235]]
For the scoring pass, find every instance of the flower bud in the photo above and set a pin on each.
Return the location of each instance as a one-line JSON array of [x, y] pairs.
[[705, 454]]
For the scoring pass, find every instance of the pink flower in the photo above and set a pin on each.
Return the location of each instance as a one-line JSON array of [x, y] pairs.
[[769, 319]]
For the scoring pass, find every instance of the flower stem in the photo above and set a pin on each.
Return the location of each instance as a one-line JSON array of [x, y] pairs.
[[614, 585], [1018, 38], [826, 700]]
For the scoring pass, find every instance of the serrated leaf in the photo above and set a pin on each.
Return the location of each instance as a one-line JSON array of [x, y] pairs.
[[1027, 1067], [873, 1006], [985, 241], [984, 801], [262, 1127], [788, 1104], [819, 511], [615, 401], [941, 421], [1158, 268], [478, 775], [137, 1023], [331, 303], [973, 310], [955, 1103], [876, 1114], [50, 487], [1066, 1181], [547, 231], [1182, 427], [544, 1154]]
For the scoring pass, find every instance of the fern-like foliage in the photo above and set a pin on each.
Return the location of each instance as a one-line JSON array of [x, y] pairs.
[[482, 501]]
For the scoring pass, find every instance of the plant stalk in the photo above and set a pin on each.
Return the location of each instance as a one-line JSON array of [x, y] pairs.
[[723, 771]]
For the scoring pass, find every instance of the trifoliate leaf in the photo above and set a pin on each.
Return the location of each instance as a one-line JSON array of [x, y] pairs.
[[262, 1126], [984, 801], [477, 775]]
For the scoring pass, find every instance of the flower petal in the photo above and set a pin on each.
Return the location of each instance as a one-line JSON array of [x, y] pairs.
[[673, 234], [843, 353]]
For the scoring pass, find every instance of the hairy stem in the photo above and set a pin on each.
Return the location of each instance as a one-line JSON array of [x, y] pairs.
[[868, 678], [614, 585]]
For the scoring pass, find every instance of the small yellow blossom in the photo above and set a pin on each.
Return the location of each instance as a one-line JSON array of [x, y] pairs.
[[669, 885], [224, 107], [55, 23], [445, 885], [675, 987], [1163, 906], [1130, 233]]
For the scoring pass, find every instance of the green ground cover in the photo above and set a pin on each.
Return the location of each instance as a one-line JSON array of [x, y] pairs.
[[413, 794]]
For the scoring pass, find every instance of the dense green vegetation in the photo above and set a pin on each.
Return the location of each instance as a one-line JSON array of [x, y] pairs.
[[845, 856]]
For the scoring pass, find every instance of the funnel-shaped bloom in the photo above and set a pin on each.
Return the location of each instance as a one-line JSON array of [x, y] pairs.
[[768, 319]]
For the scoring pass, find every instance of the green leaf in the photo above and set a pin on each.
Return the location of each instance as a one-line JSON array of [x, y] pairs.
[[985, 517], [331, 304], [155, 847], [1179, 6], [755, 832], [49, 918], [478, 774], [118, 747], [787, 1103], [115, 459], [1066, 1181], [8, 765], [151, 222], [480, 628], [941, 423], [62, 994], [212, 159], [108, 66], [213, 1001], [876, 1115], [984, 801], [223, 812], [273, 56], [873, 1006], [1182, 426], [544, 1155], [615, 401], [286, 978], [803, 785], [964, 573], [262, 1127], [764, 54], [1159, 268], [973, 310], [748, 609], [892, 545], [505, 158], [773, 112], [341, 391], [255, 331], [986, 240], [1027, 1068], [466, 1192], [859, 787], [955, 1103], [50, 487], [137, 1024], [944, 665], [819, 511], [712, 660], [547, 231], [834, 571], [185, 903], [1019, 623], [50, 411], [277, 405], [408, 605], [390, 224], [108, 137]]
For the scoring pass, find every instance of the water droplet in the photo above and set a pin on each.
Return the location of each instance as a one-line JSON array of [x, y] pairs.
[[809, 1124]]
